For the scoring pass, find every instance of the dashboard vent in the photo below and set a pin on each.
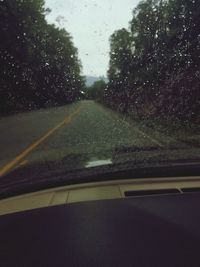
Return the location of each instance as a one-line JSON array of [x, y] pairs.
[[137, 193], [190, 190]]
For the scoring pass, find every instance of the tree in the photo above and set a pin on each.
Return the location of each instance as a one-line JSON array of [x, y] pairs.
[[96, 91], [39, 63], [154, 66]]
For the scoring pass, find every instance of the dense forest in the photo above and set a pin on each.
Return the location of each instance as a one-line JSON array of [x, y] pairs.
[[39, 63], [96, 90], [154, 68]]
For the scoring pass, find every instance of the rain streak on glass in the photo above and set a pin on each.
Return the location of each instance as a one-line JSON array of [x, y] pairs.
[[87, 84]]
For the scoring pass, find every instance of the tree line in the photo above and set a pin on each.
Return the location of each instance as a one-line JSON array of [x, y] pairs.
[[39, 63], [96, 90], [154, 68]]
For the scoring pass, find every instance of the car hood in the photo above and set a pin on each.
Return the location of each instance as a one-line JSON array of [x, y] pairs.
[[120, 163]]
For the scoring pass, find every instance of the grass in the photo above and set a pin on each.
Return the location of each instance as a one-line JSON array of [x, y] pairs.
[[187, 132], [183, 131]]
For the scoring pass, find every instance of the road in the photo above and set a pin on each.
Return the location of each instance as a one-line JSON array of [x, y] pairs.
[[81, 128]]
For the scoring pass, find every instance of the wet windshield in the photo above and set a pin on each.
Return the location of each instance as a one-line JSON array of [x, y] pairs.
[[97, 84]]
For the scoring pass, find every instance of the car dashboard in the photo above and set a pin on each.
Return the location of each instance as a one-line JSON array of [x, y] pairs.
[[153, 222]]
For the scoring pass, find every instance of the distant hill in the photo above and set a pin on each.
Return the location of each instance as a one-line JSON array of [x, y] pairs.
[[91, 79]]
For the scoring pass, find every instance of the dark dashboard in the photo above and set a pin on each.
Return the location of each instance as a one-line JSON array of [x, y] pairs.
[[161, 230]]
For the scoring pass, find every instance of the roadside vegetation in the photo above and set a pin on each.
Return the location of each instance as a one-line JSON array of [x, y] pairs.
[[154, 70], [96, 90], [39, 63]]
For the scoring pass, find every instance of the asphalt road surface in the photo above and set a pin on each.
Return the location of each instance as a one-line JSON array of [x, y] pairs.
[[52, 134]]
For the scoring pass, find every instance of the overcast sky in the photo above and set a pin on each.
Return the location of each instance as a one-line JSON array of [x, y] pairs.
[[91, 23]]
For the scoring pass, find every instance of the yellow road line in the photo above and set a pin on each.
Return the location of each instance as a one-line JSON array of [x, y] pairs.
[[23, 154], [23, 162]]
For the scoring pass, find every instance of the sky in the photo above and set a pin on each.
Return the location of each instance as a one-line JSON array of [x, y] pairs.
[[91, 23]]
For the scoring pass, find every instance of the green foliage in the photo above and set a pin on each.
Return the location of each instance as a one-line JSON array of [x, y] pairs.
[[154, 66], [39, 63], [96, 91]]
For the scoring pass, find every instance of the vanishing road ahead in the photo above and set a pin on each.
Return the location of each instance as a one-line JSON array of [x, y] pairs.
[[81, 128]]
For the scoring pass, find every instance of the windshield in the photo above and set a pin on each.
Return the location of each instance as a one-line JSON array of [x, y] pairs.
[[97, 86]]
